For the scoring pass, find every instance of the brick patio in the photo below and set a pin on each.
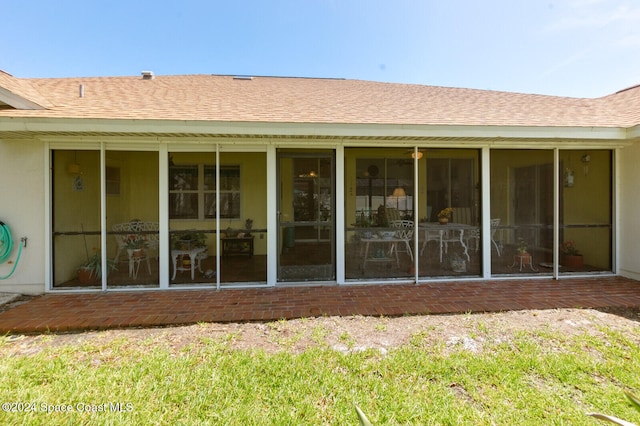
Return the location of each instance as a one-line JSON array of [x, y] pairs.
[[76, 312]]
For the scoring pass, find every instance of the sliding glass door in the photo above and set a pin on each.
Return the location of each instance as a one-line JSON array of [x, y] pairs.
[[306, 212]]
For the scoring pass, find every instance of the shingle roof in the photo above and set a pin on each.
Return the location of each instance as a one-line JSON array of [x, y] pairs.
[[22, 88], [311, 100]]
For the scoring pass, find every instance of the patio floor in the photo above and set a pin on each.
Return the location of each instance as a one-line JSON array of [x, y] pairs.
[[84, 311]]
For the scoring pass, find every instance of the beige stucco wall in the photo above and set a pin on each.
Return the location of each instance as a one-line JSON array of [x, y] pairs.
[[629, 226], [22, 208]]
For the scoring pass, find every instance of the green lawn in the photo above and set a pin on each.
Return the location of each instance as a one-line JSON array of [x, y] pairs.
[[537, 377]]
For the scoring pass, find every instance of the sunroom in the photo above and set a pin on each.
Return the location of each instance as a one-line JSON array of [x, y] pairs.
[[241, 213]]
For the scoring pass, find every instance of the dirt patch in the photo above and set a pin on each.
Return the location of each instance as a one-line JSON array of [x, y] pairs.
[[10, 300], [468, 331]]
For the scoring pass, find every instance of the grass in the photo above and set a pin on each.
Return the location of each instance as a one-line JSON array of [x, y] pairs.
[[537, 377]]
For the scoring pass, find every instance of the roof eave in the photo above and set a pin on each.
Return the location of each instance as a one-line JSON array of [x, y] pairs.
[[338, 130], [17, 101]]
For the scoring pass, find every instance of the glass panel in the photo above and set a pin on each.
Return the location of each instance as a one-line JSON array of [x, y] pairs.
[[230, 192], [522, 212], [586, 211], [77, 260], [380, 224], [132, 219], [183, 192], [306, 206]]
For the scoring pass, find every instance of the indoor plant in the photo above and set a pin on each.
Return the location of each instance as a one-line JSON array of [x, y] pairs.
[[571, 257], [91, 270], [522, 246], [444, 215], [186, 240], [522, 251], [136, 244]]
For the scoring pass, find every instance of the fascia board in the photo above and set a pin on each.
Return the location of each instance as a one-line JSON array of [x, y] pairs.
[[633, 132], [74, 125], [16, 101]]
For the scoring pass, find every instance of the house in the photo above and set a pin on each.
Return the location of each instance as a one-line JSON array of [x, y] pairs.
[[214, 181]]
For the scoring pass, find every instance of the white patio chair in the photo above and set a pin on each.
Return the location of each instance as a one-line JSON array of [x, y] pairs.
[[149, 231], [474, 234], [494, 227], [404, 233], [430, 235]]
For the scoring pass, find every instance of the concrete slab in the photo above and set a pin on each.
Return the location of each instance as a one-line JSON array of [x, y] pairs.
[[8, 298]]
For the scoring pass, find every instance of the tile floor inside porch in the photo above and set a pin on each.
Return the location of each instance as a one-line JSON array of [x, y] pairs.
[[313, 262], [101, 310]]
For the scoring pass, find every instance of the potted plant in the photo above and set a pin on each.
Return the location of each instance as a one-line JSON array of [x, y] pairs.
[[91, 270], [571, 257], [137, 244], [444, 215], [458, 264], [521, 248], [248, 225], [188, 240]]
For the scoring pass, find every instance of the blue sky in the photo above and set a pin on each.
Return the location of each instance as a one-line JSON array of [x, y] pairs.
[[583, 48]]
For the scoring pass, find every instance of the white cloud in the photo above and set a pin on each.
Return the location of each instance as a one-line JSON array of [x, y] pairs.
[[629, 41], [597, 14]]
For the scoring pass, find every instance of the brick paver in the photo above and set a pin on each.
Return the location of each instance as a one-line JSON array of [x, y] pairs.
[[82, 311]]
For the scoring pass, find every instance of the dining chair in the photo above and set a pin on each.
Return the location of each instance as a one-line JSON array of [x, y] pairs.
[[429, 235], [494, 227], [474, 234], [404, 233]]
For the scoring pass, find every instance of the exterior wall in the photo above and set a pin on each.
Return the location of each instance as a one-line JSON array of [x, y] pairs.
[[22, 207], [629, 229]]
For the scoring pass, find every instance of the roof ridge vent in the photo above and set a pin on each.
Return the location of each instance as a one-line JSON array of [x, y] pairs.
[[243, 77], [148, 75]]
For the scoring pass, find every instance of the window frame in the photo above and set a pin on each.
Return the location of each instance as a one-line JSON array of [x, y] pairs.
[[204, 170]]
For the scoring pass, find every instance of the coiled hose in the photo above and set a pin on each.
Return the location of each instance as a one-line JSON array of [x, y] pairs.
[[6, 247]]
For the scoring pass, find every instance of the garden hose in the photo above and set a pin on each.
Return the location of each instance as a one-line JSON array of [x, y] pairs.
[[6, 247]]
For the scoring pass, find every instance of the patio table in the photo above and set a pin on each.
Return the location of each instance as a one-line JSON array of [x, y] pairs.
[[444, 232]]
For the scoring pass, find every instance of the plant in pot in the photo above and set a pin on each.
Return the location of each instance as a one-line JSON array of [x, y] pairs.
[[521, 249], [248, 224], [457, 263], [188, 240], [571, 257], [91, 270], [137, 244], [445, 215]]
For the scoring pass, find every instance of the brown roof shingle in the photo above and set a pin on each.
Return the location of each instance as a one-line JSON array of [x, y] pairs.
[[22, 88], [310, 100]]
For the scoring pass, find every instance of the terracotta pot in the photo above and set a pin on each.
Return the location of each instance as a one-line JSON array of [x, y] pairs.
[[443, 220], [85, 276], [572, 262]]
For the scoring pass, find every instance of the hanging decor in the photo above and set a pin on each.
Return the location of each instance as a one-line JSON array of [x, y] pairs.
[[568, 177]]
